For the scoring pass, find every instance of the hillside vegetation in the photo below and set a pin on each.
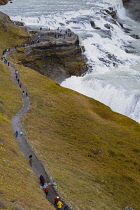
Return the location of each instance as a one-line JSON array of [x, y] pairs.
[[91, 151], [19, 186]]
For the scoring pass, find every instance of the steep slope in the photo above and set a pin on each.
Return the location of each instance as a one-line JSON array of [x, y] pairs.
[[19, 186], [89, 150], [92, 152]]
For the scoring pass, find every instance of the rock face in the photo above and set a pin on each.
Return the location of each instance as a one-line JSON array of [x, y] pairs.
[[57, 59], [133, 8], [2, 2]]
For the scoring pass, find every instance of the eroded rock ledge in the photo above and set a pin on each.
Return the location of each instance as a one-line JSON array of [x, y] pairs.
[[3, 2], [57, 58]]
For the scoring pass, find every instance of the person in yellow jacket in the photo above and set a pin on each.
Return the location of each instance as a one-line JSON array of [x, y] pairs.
[[59, 205]]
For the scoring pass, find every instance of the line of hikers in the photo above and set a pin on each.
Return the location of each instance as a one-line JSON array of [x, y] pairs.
[[45, 186], [57, 202]]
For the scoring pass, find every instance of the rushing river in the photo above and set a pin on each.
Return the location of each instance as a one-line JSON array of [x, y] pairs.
[[113, 55]]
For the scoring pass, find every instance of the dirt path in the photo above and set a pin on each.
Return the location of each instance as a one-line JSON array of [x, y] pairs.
[[22, 140]]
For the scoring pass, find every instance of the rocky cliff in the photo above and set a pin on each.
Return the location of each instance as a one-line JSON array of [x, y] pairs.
[[2, 2], [133, 8], [57, 58]]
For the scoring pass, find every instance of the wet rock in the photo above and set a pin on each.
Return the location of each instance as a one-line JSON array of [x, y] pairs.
[[62, 24], [104, 33], [108, 26], [121, 25], [111, 12], [129, 51], [127, 30], [18, 23], [97, 28], [134, 36], [92, 23]]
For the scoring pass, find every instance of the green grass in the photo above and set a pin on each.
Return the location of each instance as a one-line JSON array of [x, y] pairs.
[[65, 127], [10, 34], [19, 185]]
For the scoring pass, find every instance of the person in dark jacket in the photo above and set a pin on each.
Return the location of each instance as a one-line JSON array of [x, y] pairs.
[[30, 160], [42, 180], [16, 133]]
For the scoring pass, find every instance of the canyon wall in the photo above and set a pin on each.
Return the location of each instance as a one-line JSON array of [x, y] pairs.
[[132, 8]]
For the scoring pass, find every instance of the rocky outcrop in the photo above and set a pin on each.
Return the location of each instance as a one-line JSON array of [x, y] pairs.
[[3, 2], [56, 58], [133, 8]]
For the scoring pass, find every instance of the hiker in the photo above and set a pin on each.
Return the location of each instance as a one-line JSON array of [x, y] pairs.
[[46, 189], [59, 205], [26, 94], [56, 199], [21, 133], [16, 133], [42, 180], [30, 160], [20, 85], [23, 92], [5, 61]]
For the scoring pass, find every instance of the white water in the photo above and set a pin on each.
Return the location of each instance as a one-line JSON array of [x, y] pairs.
[[114, 75]]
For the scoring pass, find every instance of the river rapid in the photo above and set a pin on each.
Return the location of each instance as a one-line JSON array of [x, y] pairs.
[[111, 47]]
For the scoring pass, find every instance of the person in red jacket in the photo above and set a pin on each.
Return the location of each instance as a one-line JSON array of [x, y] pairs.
[[46, 190], [56, 199]]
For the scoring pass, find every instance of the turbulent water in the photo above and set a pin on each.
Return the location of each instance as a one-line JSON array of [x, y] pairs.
[[113, 55]]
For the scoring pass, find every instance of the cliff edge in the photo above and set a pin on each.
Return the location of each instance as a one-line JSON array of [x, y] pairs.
[[54, 53], [133, 8], [3, 2]]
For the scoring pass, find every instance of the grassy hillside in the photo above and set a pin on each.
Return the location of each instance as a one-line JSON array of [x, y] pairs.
[[92, 152], [10, 34], [19, 186]]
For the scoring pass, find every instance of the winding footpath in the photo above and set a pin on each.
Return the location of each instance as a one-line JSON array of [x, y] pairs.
[[22, 141]]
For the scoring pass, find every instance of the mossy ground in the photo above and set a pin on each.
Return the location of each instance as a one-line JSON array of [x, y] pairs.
[[67, 131]]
